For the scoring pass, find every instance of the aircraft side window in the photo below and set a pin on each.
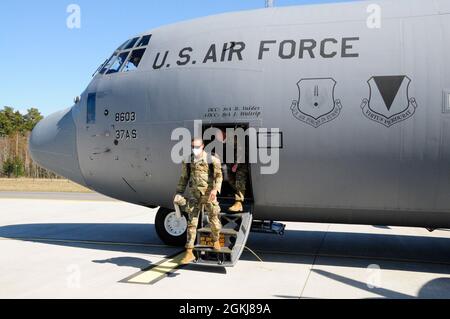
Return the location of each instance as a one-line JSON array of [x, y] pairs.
[[134, 60], [91, 101], [118, 63], [130, 44], [144, 41]]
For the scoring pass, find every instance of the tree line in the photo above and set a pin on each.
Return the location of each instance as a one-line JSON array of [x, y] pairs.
[[15, 159]]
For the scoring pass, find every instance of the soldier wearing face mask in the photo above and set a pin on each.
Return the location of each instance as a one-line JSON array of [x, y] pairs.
[[203, 173]]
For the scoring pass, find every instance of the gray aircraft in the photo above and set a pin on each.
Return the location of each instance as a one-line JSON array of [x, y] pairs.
[[359, 93]]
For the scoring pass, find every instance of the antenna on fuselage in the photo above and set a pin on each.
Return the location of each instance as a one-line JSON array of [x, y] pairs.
[[269, 3]]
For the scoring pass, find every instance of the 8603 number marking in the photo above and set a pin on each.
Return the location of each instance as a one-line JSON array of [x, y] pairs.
[[125, 117]]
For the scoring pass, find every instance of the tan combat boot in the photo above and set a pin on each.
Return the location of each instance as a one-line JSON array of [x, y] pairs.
[[188, 257], [237, 207], [217, 246]]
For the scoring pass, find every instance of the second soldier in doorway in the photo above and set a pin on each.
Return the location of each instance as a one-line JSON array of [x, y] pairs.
[[237, 172], [203, 173]]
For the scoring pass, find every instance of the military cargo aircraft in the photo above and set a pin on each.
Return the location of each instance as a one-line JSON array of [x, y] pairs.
[[359, 113]]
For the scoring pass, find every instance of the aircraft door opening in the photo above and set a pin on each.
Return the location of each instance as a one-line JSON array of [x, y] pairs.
[[228, 193]]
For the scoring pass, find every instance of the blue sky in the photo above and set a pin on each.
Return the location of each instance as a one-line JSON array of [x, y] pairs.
[[45, 64]]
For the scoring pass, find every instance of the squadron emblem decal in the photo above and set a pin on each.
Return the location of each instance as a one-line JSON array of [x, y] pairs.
[[316, 104], [389, 102]]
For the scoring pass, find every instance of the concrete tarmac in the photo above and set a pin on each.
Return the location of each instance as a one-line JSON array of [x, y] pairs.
[[90, 246]]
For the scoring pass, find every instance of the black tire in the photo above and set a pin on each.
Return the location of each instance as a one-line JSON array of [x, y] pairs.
[[168, 239]]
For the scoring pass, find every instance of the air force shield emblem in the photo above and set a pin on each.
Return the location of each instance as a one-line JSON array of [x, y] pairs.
[[316, 104], [389, 102]]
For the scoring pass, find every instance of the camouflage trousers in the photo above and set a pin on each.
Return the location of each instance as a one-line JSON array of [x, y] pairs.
[[193, 209], [238, 181]]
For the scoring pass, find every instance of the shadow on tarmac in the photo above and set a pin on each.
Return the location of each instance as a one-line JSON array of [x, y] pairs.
[[343, 249]]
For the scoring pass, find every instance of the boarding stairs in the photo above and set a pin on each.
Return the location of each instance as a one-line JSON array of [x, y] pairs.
[[233, 236]]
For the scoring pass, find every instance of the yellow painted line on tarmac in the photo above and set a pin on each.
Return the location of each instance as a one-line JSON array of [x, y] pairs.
[[155, 273]]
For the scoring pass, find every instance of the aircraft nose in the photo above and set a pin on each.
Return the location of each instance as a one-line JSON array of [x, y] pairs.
[[53, 145]]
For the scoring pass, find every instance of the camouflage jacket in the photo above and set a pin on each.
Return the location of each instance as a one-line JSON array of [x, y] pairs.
[[201, 175]]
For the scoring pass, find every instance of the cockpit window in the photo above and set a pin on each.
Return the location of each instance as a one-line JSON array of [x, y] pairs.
[[131, 44], [144, 41], [118, 62], [134, 60], [123, 45], [108, 63]]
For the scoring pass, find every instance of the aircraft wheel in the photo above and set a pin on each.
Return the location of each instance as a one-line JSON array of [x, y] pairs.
[[170, 229]]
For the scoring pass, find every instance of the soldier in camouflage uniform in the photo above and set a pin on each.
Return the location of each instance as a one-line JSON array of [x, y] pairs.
[[204, 175], [238, 174]]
